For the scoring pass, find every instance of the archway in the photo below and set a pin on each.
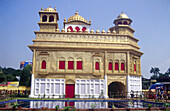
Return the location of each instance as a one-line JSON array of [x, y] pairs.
[[116, 90]]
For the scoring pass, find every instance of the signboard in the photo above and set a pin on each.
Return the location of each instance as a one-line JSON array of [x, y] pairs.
[[12, 85], [23, 64]]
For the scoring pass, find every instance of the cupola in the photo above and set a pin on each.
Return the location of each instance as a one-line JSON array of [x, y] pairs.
[[77, 22], [48, 19], [122, 19]]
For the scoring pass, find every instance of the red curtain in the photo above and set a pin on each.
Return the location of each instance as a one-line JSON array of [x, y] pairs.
[[70, 64], [110, 66], [43, 65], [97, 66], [134, 67], [79, 65], [77, 28], [122, 66], [116, 66], [83, 29], [70, 27], [61, 64]]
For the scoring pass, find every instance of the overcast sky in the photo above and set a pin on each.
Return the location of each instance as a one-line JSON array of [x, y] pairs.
[[151, 22]]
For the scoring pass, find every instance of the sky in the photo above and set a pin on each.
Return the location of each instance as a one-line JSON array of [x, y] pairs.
[[151, 22]]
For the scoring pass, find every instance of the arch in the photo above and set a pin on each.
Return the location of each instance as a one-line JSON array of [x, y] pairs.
[[70, 81], [110, 67], [116, 89], [83, 29], [125, 23], [70, 63], [119, 23], [134, 66], [116, 66], [70, 27], [79, 64], [43, 64], [122, 66], [44, 18], [51, 18], [77, 28], [62, 63]]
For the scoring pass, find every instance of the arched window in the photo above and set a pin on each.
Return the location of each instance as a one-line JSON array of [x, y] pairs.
[[125, 23], [70, 27], [71, 65], [135, 67], [119, 23], [83, 29], [51, 19], [116, 66], [44, 18], [79, 64], [77, 28], [110, 66], [97, 66], [62, 64], [122, 66], [43, 65]]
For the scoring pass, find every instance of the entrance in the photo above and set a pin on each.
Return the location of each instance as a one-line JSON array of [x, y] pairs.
[[69, 94], [70, 90], [116, 90]]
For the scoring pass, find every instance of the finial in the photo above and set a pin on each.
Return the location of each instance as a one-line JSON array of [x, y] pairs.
[[76, 12], [89, 21], [64, 19], [49, 6], [41, 8], [122, 12], [97, 31], [55, 8]]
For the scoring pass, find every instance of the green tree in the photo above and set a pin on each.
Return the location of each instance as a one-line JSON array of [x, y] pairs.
[[155, 71], [26, 76]]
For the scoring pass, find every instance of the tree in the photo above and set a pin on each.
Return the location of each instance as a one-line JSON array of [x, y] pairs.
[[26, 76], [155, 71]]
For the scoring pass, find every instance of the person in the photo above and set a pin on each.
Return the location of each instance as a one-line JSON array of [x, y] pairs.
[[132, 94]]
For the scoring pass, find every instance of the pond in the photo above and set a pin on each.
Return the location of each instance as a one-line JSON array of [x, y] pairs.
[[81, 104]]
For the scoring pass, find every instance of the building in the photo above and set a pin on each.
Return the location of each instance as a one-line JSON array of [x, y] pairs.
[[23, 64], [79, 61]]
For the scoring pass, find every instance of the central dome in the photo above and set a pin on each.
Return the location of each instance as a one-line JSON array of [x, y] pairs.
[[77, 17], [122, 15]]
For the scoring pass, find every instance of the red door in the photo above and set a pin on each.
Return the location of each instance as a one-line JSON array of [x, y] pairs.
[[69, 93], [70, 90]]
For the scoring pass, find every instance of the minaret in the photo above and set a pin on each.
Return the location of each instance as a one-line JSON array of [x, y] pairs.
[[48, 20]]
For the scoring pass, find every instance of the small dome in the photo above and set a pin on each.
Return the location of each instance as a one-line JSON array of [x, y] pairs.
[[49, 9], [77, 17], [122, 15]]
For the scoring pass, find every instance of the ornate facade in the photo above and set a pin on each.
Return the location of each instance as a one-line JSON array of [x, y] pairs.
[[79, 61]]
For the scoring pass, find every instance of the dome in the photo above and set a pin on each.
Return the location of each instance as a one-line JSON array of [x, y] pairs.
[[77, 17], [49, 9], [122, 15]]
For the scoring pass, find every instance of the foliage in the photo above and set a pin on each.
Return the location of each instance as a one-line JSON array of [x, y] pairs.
[[9, 74], [93, 106], [156, 72]]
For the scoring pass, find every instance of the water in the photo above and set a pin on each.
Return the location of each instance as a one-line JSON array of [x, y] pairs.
[[81, 104]]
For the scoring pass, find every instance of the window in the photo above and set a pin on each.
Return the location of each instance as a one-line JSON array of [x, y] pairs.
[[79, 65], [61, 64], [70, 27], [110, 66], [51, 19], [77, 28], [44, 18], [83, 29], [134, 67], [125, 23], [70, 64], [43, 65], [122, 66], [116, 66], [97, 66]]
